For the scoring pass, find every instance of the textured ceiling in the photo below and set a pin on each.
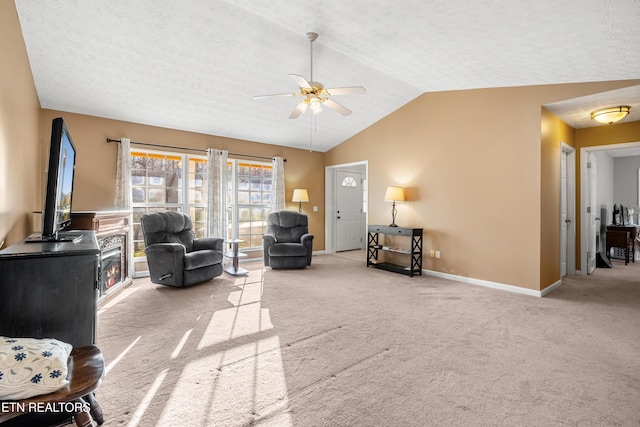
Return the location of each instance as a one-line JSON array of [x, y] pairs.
[[577, 111], [195, 65]]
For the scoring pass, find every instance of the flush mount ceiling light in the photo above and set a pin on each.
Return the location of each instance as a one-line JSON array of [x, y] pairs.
[[610, 115]]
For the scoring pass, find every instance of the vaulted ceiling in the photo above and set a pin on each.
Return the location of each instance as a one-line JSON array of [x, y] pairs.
[[195, 65]]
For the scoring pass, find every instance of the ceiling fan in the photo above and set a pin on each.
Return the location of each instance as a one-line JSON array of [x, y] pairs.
[[314, 93]]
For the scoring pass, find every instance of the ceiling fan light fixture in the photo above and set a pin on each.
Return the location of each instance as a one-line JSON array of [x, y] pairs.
[[611, 114], [302, 106], [316, 105], [314, 93]]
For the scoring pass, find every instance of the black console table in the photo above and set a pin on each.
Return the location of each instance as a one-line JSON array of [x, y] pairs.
[[50, 290], [414, 266]]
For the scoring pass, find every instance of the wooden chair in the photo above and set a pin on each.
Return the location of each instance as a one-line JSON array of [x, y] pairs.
[[620, 240], [86, 369]]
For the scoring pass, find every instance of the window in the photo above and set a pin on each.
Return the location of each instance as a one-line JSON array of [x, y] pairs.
[[159, 182], [249, 200], [349, 182]]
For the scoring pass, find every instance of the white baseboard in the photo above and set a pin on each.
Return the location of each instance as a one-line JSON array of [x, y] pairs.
[[488, 284], [551, 288]]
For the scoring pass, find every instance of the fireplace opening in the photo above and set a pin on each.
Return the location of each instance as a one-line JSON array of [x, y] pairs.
[[111, 271]]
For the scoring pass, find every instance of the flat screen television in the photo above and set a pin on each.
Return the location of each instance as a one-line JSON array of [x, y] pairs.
[[56, 215]]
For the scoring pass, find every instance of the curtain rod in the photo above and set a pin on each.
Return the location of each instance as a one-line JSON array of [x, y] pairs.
[[190, 149]]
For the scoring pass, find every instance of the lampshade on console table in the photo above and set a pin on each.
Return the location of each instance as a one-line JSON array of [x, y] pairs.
[[394, 194]]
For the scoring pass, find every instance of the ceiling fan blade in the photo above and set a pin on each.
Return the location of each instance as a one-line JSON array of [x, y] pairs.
[[337, 107], [300, 81], [275, 95], [350, 90], [295, 113]]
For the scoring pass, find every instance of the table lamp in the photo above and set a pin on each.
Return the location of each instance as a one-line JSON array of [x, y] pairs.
[[300, 195], [394, 194]]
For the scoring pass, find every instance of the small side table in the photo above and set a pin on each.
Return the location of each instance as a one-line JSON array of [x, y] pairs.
[[86, 369], [233, 268]]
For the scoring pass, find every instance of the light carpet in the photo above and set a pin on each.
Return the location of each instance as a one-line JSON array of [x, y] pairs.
[[340, 344]]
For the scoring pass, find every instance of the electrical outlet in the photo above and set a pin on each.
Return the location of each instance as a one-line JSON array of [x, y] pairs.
[[432, 253], [437, 254]]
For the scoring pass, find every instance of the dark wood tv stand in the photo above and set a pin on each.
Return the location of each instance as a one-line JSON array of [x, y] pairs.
[[50, 290]]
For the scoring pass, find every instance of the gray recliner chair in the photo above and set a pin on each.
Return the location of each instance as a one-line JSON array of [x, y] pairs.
[[175, 257], [287, 243]]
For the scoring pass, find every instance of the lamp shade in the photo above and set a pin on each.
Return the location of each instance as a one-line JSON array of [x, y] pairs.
[[610, 115], [394, 194], [300, 195]]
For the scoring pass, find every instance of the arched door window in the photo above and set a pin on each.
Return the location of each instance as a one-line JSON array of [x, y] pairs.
[[349, 182]]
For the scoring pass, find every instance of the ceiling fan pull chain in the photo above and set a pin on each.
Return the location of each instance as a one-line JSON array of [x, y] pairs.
[[311, 118]]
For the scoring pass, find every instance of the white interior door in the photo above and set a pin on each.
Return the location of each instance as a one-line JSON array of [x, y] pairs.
[[563, 214], [592, 214], [349, 221]]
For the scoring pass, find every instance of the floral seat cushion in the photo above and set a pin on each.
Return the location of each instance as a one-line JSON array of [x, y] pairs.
[[31, 367]]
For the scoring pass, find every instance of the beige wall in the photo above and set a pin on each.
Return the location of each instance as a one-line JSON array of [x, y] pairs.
[[19, 142], [94, 187], [553, 132], [472, 161]]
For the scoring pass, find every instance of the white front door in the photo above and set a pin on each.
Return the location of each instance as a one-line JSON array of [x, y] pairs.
[[592, 213], [349, 222]]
